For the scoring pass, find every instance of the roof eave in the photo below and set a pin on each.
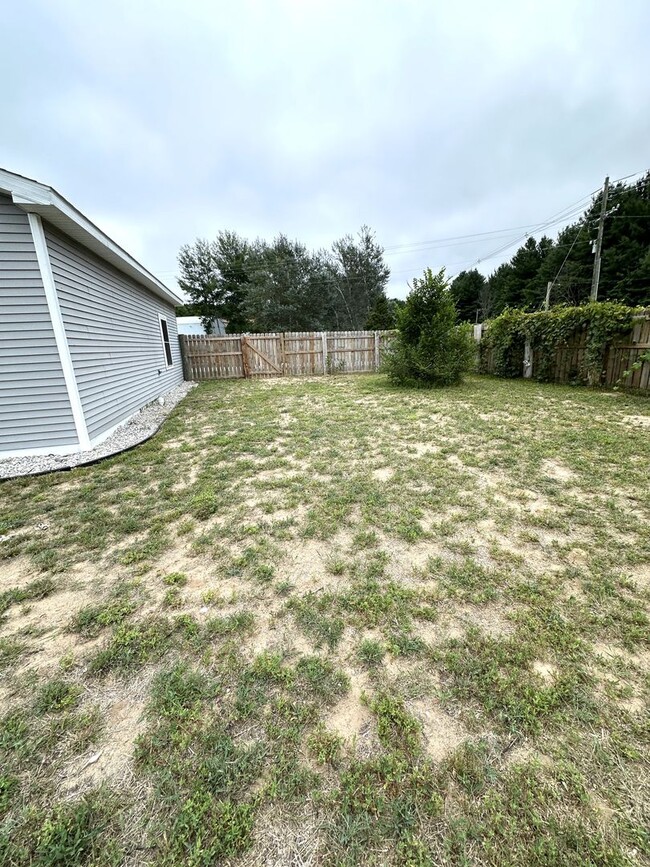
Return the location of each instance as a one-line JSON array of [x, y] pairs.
[[39, 199]]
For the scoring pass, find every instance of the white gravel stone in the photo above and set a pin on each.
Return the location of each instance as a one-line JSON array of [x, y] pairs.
[[144, 424]]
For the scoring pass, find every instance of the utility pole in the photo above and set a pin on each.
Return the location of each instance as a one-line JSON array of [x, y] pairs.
[[599, 243], [547, 300]]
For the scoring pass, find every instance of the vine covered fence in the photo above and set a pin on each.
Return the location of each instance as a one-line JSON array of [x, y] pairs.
[[295, 353], [598, 344]]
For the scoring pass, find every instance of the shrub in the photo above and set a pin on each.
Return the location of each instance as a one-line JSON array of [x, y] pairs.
[[430, 348]]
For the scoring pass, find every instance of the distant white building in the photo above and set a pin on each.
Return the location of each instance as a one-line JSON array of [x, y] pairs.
[[193, 325]]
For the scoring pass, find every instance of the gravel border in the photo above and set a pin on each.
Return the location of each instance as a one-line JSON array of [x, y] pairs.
[[136, 430]]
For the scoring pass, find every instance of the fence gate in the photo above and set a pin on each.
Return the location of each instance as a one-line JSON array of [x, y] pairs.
[[262, 354]]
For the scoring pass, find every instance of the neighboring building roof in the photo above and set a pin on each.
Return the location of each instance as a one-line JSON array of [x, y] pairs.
[[193, 325], [40, 199]]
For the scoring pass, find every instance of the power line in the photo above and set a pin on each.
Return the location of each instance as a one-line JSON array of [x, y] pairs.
[[567, 256], [459, 240]]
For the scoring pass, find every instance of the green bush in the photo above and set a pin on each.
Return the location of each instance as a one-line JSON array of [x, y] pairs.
[[430, 348]]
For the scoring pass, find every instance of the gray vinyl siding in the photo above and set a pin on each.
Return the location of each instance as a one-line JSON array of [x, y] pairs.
[[35, 410], [113, 332]]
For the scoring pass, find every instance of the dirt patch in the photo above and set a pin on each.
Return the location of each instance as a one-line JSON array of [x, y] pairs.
[[188, 478], [441, 733], [277, 637], [351, 719], [556, 470], [16, 572], [577, 557], [111, 759], [305, 563], [546, 670], [641, 576], [642, 421], [383, 474], [409, 562], [490, 619], [605, 812], [417, 450], [634, 705], [42, 624], [281, 839], [524, 754]]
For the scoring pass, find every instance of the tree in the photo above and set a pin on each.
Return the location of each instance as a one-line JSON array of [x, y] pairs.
[[466, 290], [214, 275], [283, 290], [187, 310], [382, 315], [200, 280], [430, 348], [568, 263], [359, 277], [233, 258]]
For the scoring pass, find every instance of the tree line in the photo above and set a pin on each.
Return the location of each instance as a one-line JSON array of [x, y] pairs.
[[280, 285], [261, 286], [568, 262]]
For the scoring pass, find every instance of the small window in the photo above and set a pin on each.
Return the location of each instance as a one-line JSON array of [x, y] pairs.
[[164, 331]]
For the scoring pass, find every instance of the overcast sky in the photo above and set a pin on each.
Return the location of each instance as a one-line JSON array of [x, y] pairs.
[[164, 121]]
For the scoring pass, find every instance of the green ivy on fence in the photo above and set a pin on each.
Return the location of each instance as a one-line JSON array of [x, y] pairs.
[[502, 347]]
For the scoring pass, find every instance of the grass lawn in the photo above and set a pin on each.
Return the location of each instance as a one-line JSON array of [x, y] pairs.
[[330, 622]]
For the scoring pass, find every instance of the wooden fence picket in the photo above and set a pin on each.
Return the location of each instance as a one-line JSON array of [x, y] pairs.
[[292, 353]]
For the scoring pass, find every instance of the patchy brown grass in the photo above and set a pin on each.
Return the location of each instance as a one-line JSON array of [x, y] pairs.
[[309, 608]]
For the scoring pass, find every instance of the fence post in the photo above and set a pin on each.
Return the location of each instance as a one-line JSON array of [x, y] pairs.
[[528, 360], [283, 357], [376, 350], [324, 340], [183, 346], [244, 360]]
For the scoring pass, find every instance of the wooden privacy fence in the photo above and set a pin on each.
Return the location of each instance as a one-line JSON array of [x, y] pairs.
[[568, 364], [293, 353]]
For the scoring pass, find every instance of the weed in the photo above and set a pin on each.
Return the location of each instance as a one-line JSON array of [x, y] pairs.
[[321, 679], [207, 830], [371, 652], [10, 651], [469, 766], [38, 589], [211, 597], [365, 539], [335, 566], [498, 674], [9, 787], [397, 729], [239, 623], [312, 614], [69, 835], [134, 645], [325, 746], [89, 621], [173, 598], [56, 696], [176, 579]]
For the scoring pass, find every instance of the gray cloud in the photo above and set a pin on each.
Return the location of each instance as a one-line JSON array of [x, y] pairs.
[[164, 121]]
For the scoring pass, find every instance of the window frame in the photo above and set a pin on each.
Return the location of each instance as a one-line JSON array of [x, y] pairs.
[[166, 342]]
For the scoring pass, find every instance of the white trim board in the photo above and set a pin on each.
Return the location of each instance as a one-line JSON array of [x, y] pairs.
[[58, 327]]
